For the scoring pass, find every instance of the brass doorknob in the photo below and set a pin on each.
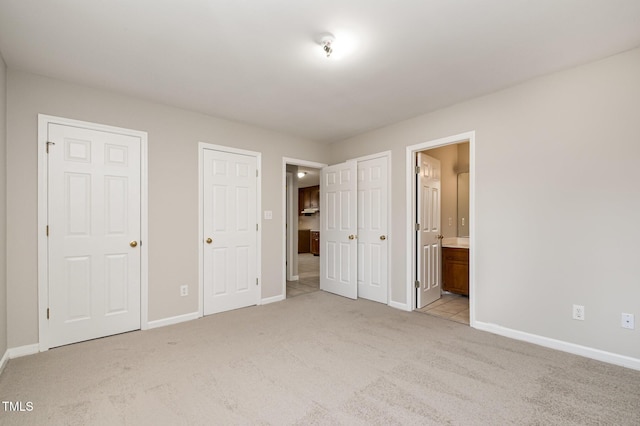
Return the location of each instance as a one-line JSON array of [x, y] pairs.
[[209, 240], [383, 237], [440, 237], [133, 243], [351, 237]]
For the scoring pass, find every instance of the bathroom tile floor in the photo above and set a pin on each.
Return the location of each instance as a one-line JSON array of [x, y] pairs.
[[450, 306]]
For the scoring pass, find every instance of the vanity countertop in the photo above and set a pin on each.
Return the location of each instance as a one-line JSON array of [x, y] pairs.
[[456, 242]]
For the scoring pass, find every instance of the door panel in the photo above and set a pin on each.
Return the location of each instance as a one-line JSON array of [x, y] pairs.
[[428, 259], [94, 213], [338, 253], [372, 230], [230, 219]]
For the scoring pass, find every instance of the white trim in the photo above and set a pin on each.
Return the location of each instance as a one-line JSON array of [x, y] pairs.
[[401, 306], [372, 156], [295, 278], [202, 146], [43, 272], [572, 348], [18, 352], [293, 162], [4, 360], [289, 214], [410, 209], [21, 351], [173, 320], [387, 155], [278, 298]]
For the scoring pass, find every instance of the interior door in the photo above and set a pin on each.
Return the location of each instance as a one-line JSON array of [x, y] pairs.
[[428, 236], [94, 206], [338, 250], [372, 229], [230, 231]]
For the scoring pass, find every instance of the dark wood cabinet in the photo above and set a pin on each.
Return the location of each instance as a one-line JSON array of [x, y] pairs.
[[308, 198], [314, 196], [455, 270], [304, 240], [315, 243]]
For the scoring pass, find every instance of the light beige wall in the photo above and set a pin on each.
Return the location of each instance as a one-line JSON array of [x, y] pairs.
[[463, 157], [173, 189], [557, 200], [448, 156], [3, 212]]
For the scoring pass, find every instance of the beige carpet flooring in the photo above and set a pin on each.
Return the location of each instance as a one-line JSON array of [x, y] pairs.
[[317, 359]]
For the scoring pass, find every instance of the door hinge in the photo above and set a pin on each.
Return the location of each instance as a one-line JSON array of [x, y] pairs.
[[417, 284], [417, 170], [256, 281], [47, 313], [256, 172], [49, 143], [417, 226], [47, 230], [256, 226]]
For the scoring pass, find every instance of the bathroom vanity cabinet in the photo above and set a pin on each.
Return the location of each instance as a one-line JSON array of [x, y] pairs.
[[455, 270]]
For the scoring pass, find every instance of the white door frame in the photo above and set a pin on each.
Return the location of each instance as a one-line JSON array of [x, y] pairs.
[[202, 146], [285, 258], [43, 253], [387, 155], [411, 215], [289, 237]]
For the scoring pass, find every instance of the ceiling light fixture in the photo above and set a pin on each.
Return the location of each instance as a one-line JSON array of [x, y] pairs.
[[301, 175], [326, 42]]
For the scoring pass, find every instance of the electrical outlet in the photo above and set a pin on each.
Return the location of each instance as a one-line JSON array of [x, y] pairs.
[[628, 321], [578, 312], [184, 290]]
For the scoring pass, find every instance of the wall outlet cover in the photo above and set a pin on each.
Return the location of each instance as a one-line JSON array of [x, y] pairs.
[[578, 312], [628, 321]]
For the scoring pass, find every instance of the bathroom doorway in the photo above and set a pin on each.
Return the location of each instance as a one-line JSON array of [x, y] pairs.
[[443, 264]]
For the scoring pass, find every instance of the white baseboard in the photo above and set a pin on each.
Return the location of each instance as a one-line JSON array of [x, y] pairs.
[[23, 350], [295, 278], [585, 351], [12, 353], [273, 299], [4, 360], [173, 320], [401, 306]]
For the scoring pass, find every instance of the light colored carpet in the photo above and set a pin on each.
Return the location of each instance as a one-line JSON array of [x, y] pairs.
[[316, 359]]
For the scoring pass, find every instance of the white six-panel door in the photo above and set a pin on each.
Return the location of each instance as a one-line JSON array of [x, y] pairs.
[[338, 229], [230, 219], [428, 258], [372, 229], [94, 225]]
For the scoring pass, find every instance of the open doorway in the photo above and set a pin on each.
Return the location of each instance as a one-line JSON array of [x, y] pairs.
[[452, 301], [302, 227], [442, 227]]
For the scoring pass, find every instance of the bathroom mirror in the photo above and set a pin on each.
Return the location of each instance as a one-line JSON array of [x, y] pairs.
[[463, 204]]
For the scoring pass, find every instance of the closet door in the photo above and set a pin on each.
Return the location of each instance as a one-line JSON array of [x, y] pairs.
[[338, 252], [373, 240]]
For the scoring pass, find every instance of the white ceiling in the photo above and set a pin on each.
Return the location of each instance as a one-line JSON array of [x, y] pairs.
[[257, 61]]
